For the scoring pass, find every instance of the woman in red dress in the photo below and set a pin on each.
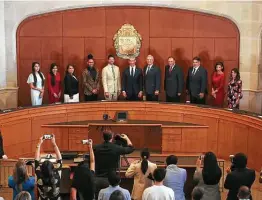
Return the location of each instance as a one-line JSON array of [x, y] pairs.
[[54, 84], [218, 83]]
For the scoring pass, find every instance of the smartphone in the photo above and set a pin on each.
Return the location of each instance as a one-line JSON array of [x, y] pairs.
[[201, 157], [231, 157], [47, 137], [86, 141]]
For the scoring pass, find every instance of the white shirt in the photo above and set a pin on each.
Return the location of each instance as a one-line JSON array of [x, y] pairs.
[[148, 68], [158, 193], [195, 70], [130, 70]]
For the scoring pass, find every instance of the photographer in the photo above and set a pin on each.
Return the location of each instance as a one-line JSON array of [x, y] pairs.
[[83, 186], [48, 176], [107, 157], [240, 176]]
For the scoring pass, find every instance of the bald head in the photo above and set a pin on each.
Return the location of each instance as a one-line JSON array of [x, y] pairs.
[[243, 192]]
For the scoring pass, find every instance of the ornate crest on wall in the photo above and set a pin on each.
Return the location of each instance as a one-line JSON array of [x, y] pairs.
[[127, 42]]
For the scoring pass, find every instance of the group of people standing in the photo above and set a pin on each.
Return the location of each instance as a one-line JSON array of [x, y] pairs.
[[136, 83]]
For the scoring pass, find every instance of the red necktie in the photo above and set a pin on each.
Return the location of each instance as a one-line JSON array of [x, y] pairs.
[[170, 69]]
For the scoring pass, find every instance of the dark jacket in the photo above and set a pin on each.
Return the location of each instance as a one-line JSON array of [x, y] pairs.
[[1, 147], [197, 83], [107, 157], [174, 81], [152, 79], [238, 178], [132, 84], [71, 85]]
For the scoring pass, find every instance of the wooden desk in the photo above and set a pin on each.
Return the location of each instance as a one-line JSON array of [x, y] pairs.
[[165, 136]]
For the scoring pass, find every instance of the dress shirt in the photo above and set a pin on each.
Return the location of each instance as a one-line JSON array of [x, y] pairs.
[[130, 70], [175, 179], [195, 70], [171, 68], [105, 194], [148, 68]]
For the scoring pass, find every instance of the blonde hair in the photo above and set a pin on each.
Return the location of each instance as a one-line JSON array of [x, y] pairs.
[[23, 196]]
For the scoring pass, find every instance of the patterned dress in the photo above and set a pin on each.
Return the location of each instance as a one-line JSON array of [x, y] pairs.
[[234, 93], [45, 190]]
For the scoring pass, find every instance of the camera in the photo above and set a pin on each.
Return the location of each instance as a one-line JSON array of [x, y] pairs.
[[120, 141], [47, 137], [105, 117], [232, 167], [87, 141]]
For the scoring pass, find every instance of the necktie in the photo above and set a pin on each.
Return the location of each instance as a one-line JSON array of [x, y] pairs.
[[132, 72], [113, 72], [170, 69], [194, 71], [148, 69]]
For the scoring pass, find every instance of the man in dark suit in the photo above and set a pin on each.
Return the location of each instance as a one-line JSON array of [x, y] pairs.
[[107, 157], [196, 84], [152, 79], [174, 81], [132, 81], [240, 176]]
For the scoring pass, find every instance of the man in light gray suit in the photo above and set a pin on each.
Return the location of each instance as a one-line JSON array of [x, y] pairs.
[[196, 85]]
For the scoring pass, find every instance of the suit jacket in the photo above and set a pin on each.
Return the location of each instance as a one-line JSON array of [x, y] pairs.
[[70, 85], [111, 82], [89, 83], [134, 83], [238, 178], [107, 157], [1, 147], [141, 181], [197, 83], [174, 81], [152, 79]]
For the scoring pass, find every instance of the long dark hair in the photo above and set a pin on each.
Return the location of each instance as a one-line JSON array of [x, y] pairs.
[[48, 178], [211, 171], [20, 174], [84, 181], [237, 76], [39, 72], [221, 64], [52, 74], [67, 67], [144, 164]]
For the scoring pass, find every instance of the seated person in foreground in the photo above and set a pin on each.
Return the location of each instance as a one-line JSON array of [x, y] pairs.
[[239, 176], [175, 177], [117, 195], [197, 193], [21, 181], [208, 178], [83, 186], [243, 193], [23, 196], [158, 191], [48, 176], [114, 181], [141, 170]]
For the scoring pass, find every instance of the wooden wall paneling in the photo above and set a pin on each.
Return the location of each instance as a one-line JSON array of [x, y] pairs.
[[76, 135], [152, 138], [171, 139], [194, 140], [85, 111], [209, 120]]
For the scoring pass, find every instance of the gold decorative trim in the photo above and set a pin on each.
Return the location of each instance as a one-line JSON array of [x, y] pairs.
[[127, 42]]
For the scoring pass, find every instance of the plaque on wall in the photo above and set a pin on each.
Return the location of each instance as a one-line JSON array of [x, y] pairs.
[[127, 42]]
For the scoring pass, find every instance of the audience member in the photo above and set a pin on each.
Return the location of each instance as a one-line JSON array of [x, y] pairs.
[[240, 176], [23, 196], [21, 181], [243, 193], [141, 170], [260, 177], [1, 198], [175, 177], [107, 157], [208, 177], [158, 191], [117, 195], [83, 186], [48, 176], [114, 181], [197, 193], [2, 153]]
